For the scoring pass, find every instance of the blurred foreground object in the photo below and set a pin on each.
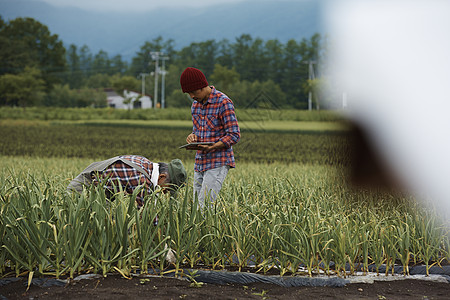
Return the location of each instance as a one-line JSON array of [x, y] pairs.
[[392, 61]]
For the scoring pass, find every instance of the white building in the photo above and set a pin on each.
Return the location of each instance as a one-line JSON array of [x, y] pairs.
[[129, 100]]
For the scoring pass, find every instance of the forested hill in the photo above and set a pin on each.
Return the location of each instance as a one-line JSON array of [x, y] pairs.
[[124, 33]]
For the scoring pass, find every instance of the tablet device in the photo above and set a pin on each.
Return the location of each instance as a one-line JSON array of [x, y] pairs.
[[194, 146]]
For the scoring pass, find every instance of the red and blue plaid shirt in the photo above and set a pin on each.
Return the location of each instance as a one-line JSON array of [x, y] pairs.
[[128, 177], [215, 121]]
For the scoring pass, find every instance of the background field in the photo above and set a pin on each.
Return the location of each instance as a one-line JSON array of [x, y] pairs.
[[261, 141]]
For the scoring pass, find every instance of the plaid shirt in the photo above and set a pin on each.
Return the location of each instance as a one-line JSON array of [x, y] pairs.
[[128, 177], [215, 121]]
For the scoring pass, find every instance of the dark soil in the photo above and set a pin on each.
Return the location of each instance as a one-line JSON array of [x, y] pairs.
[[117, 287]]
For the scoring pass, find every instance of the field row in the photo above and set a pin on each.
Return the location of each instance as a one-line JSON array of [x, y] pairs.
[[253, 126], [72, 114], [100, 141]]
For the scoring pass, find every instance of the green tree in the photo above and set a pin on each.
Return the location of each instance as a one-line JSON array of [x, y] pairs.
[[98, 81], [267, 94], [311, 49], [178, 99], [143, 61], [28, 43], [14, 55], [173, 88], [241, 93], [223, 77], [118, 65], [122, 83], [274, 53], [101, 63], [90, 97], [272, 97], [225, 54], [63, 96], [201, 55], [292, 75], [75, 77], [241, 48], [85, 60], [257, 62], [60, 96], [23, 89]]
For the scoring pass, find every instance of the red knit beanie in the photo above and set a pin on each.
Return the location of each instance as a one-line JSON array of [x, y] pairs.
[[192, 79]]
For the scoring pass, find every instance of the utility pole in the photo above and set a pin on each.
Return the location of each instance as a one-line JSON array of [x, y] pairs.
[[344, 100], [155, 57], [142, 75], [311, 76], [163, 86]]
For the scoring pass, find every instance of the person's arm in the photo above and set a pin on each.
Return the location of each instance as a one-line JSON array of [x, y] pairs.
[[230, 124], [206, 149], [192, 138]]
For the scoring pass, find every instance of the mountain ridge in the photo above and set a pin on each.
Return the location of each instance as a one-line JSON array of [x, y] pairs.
[[124, 33]]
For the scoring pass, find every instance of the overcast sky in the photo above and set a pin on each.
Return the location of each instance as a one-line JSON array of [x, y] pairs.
[[134, 5]]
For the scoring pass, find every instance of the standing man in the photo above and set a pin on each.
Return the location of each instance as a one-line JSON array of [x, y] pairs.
[[214, 121]]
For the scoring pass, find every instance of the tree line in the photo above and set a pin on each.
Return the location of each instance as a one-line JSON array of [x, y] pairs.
[[36, 69]]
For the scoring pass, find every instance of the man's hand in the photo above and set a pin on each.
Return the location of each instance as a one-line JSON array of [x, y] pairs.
[[207, 149], [192, 138]]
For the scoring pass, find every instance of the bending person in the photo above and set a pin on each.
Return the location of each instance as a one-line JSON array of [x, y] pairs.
[[130, 172]]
